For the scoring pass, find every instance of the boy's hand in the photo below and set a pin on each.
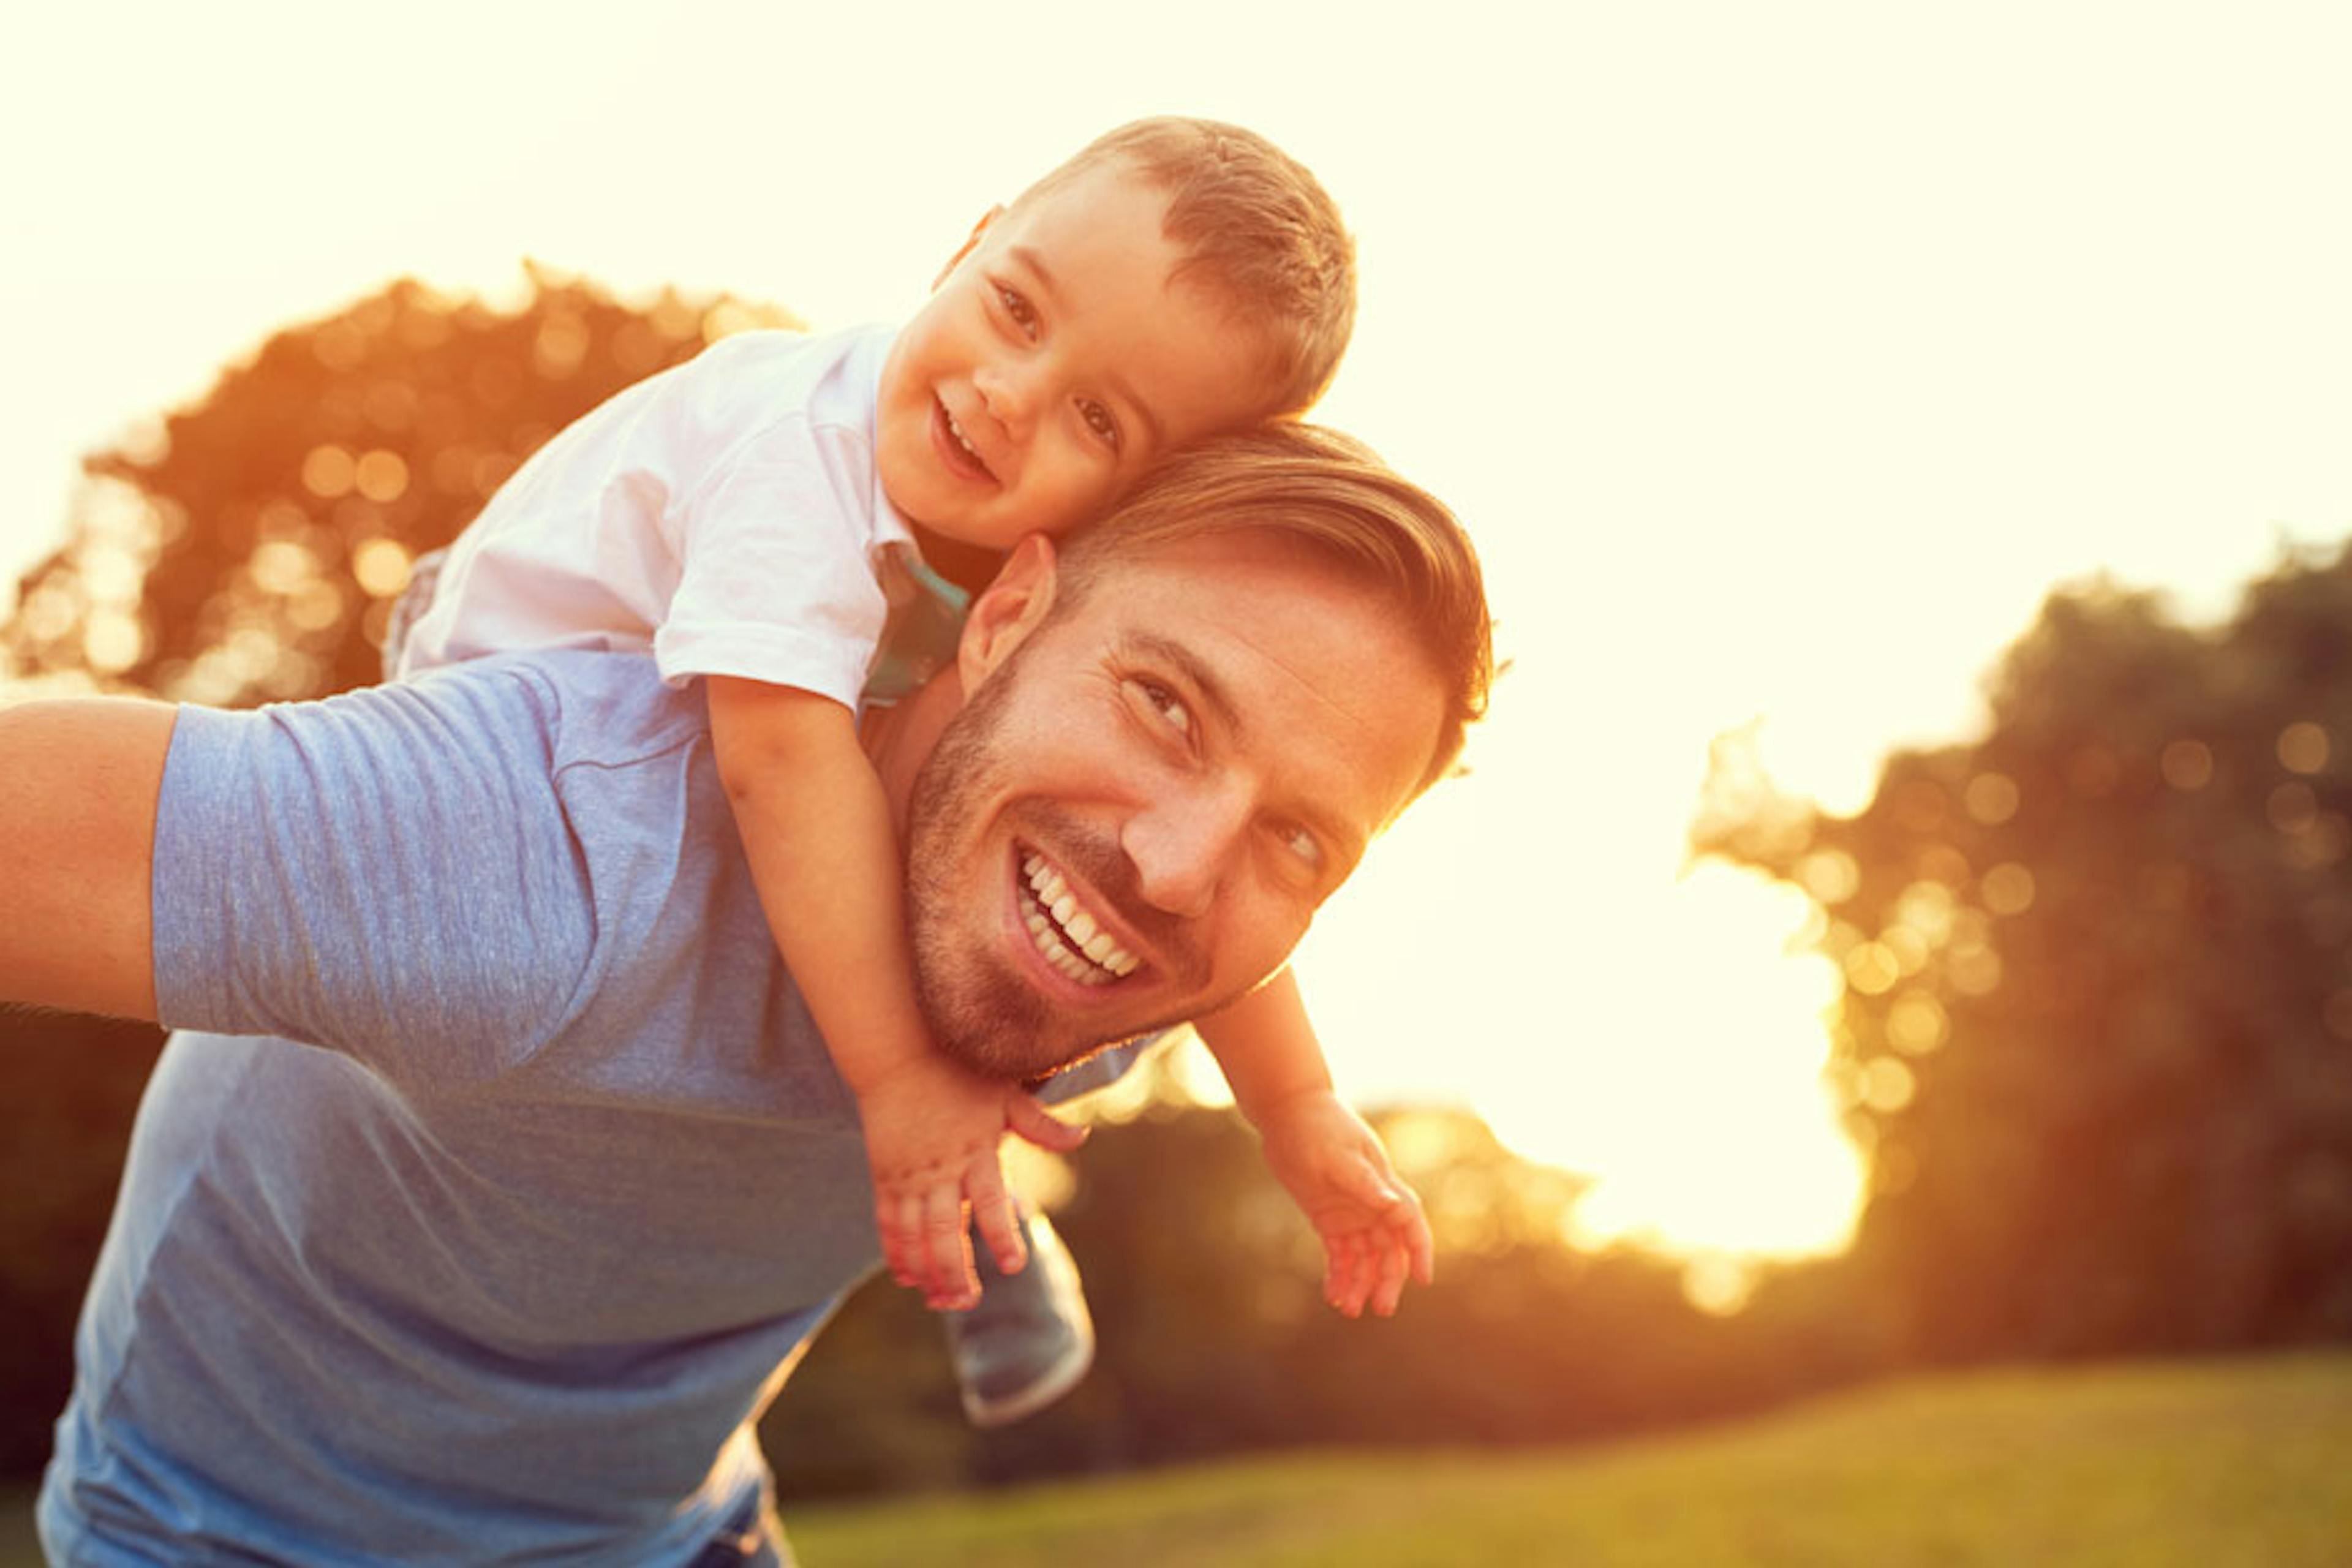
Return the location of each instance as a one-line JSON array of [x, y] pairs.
[[932, 1132], [1374, 1235]]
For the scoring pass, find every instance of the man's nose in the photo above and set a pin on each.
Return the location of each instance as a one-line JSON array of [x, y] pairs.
[[1184, 847]]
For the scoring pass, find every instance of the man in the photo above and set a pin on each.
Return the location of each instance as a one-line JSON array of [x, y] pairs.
[[505, 1260]]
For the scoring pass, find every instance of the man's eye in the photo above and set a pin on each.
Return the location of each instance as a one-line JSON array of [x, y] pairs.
[[1016, 306], [1100, 422], [1167, 705], [1302, 845]]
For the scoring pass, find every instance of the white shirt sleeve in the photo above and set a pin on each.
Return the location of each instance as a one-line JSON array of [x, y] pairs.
[[778, 579], [723, 514]]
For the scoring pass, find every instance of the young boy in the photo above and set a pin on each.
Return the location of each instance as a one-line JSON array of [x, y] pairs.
[[768, 515]]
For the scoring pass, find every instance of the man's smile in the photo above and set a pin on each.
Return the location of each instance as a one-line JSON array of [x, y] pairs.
[[1068, 935]]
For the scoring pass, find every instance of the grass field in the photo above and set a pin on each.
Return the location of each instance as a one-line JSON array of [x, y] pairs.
[[2245, 1463]]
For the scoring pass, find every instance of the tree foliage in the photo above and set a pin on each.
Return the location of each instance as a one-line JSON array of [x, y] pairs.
[[2097, 1022], [67, 1088], [248, 548]]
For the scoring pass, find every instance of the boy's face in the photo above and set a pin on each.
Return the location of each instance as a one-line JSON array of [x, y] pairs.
[[1055, 360]]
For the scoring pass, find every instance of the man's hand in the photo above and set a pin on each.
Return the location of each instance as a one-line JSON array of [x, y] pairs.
[[1374, 1235], [932, 1137]]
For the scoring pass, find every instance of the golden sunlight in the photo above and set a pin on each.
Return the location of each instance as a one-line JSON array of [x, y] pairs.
[[1666, 1039], [1721, 1137]]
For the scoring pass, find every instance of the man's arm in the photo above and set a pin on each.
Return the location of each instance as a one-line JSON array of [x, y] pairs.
[[390, 873], [77, 788]]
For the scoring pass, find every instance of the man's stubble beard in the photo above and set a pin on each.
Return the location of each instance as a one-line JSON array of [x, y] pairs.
[[980, 1013]]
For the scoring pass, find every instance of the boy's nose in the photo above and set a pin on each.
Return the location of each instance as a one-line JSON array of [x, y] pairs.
[[1010, 393], [1182, 848]]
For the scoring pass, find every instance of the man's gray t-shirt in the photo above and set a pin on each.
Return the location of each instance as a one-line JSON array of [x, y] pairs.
[[504, 1261]]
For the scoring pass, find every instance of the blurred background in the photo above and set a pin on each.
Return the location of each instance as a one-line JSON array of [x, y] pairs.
[[1899, 914]]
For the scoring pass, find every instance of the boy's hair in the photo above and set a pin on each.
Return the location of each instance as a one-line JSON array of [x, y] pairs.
[[1256, 226], [1330, 496]]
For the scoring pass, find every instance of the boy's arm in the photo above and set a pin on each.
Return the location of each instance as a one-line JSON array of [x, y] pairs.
[[1266, 1048], [1374, 1234], [78, 781], [816, 829]]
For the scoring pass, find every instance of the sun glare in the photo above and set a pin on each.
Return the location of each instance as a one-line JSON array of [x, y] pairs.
[[1667, 1043], [1709, 1130]]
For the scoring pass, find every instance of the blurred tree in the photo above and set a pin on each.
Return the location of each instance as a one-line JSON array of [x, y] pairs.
[[249, 546], [68, 1087], [246, 549], [2097, 1029]]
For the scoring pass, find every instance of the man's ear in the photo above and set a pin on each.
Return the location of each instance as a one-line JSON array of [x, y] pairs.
[[970, 242], [1008, 610]]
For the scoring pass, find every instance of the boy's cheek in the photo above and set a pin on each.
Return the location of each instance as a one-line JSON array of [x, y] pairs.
[[1096, 496]]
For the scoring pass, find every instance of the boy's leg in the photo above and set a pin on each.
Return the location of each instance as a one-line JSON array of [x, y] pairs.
[[1031, 1339]]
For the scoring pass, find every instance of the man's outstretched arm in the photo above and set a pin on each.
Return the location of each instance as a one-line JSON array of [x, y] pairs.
[[77, 787]]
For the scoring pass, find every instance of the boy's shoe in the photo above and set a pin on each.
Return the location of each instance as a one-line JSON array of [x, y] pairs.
[[1031, 1339]]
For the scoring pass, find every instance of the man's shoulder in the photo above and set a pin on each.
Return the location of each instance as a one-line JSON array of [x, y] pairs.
[[673, 941], [547, 709], [599, 706]]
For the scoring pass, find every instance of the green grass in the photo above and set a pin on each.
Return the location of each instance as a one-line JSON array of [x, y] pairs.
[[2204, 1464], [2239, 1462]]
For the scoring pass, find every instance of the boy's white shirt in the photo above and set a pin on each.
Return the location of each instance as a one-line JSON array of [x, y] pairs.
[[725, 514]]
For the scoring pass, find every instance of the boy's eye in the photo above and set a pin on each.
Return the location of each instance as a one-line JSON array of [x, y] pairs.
[[1100, 421], [1016, 306]]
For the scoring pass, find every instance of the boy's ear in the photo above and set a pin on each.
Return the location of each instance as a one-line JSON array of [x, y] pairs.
[[971, 241], [1007, 610]]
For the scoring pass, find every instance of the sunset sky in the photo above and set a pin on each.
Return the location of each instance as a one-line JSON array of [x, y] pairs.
[[1781, 358]]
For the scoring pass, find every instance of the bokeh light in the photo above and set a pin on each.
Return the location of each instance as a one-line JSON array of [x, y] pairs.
[[2303, 747]]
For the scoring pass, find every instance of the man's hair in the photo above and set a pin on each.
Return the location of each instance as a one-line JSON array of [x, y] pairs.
[[1256, 228], [1331, 497]]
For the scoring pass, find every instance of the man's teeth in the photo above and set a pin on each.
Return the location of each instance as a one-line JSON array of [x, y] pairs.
[[1069, 938]]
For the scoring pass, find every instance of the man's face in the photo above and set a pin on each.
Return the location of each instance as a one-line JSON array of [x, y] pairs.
[[1053, 363], [1136, 814]]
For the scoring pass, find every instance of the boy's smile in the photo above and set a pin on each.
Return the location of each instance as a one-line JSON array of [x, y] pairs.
[[1059, 355]]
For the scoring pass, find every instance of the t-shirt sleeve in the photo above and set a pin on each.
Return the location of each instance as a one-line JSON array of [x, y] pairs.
[[389, 873], [777, 580]]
